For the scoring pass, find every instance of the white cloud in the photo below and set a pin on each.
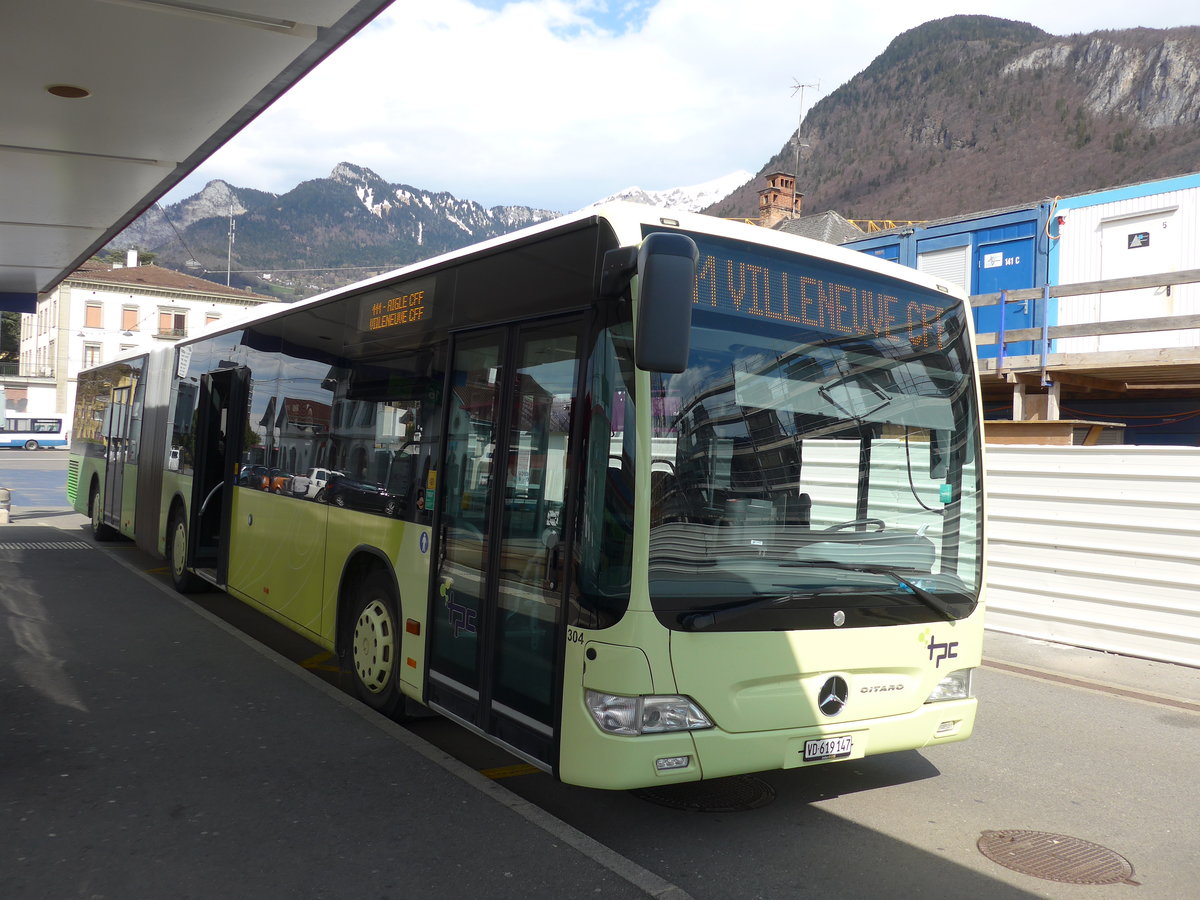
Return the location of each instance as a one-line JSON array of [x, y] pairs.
[[554, 103]]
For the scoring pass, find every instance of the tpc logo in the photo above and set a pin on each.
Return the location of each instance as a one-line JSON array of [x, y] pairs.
[[943, 651]]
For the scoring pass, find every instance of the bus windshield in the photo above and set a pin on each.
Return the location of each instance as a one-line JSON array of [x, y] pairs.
[[816, 466]]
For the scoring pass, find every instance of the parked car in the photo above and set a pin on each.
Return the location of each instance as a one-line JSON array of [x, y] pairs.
[[278, 481], [347, 492], [310, 485], [253, 477]]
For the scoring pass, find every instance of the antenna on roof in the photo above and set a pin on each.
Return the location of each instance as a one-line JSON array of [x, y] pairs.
[[229, 249], [798, 88]]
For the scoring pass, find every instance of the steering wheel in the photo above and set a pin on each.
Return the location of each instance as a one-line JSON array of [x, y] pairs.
[[878, 523]]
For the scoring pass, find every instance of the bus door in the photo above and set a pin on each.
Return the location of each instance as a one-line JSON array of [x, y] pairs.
[[220, 432], [116, 453], [496, 604]]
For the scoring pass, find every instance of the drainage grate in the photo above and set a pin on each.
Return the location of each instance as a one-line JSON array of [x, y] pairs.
[[741, 792], [45, 545], [1056, 857]]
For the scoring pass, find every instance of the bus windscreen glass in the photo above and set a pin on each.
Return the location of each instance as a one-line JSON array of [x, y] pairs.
[[817, 463]]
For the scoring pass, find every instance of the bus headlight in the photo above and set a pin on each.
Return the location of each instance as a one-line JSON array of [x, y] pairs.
[[955, 686], [645, 715]]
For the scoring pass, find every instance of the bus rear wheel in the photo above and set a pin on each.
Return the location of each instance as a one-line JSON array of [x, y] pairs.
[[374, 645], [183, 580], [100, 531], [31, 444]]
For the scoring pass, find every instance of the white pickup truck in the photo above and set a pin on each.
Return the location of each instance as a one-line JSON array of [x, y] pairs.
[[310, 485]]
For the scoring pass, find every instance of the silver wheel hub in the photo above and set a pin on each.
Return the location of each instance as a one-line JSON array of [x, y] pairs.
[[374, 646], [179, 548]]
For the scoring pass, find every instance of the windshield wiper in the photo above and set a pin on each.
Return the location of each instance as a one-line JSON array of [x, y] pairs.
[[702, 621], [933, 601]]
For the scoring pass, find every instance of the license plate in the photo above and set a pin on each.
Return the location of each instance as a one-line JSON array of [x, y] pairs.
[[838, 746]]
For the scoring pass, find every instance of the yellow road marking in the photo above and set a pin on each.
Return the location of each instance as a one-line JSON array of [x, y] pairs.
[[317, 663], [510, 771], [161, 570]]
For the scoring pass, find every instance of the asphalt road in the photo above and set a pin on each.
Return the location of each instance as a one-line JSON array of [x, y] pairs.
[[37, 479], [1090, 747], [1085, 764]]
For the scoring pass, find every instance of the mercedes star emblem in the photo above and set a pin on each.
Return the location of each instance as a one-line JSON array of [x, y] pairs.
[[833, 694]]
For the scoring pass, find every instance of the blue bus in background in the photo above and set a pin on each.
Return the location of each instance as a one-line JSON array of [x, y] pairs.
[[34, 432]]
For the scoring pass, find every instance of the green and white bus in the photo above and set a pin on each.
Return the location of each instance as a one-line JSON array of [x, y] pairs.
[[642, 496]]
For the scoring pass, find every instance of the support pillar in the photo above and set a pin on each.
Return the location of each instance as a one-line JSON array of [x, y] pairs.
[[1053, 396], [1019, 402]]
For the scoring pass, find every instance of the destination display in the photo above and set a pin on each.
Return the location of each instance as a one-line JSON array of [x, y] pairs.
[[405, 307], [819, 295]]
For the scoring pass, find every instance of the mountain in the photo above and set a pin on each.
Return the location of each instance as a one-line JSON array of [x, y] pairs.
[[331, 231], [321, 234], [688, 199], [973, 112]]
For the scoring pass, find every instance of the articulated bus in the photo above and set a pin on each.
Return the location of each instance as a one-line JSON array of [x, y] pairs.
[[34, 432], [642, 496]]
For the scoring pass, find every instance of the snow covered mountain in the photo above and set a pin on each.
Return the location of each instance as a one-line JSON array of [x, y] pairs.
[[688, 199], [330, 231], [322, 233]]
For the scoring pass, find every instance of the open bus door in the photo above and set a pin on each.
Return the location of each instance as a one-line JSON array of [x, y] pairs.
[[497, 606], [116, 453], [220, 433]]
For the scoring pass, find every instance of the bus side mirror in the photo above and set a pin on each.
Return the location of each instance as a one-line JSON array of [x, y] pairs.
[[666, 269]]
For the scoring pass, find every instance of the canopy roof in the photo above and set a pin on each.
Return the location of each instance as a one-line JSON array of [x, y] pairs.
[[107, 104]]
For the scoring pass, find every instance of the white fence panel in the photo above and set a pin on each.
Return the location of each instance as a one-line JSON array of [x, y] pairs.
[[1097, 547]]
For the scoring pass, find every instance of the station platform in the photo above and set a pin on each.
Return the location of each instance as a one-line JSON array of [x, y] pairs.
[[151, 750]]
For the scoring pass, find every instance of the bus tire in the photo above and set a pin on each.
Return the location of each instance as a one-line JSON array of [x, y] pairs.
[[374, 644], [183, 580], [31, 444], [100, 531]]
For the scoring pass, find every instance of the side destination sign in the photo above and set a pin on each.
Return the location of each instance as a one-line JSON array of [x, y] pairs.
[[405, 308], [819, 295]]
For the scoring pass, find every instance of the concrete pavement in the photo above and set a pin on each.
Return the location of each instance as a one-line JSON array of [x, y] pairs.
[[1138, 679], [150, 750]]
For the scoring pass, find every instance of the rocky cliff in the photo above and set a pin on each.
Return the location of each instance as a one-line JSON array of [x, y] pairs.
[[973, 112]]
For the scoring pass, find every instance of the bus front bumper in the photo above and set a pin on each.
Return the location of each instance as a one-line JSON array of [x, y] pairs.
[[721, 753]]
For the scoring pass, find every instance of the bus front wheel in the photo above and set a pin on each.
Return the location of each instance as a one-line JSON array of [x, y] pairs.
[[374, 645], [100, 531], [31, 444], [183, 580]]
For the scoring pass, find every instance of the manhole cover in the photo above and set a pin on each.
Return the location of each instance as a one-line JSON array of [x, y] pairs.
[[1055, 857], [734, 794]]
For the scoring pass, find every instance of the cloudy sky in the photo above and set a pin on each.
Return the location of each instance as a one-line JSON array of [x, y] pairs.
[[557, 103]]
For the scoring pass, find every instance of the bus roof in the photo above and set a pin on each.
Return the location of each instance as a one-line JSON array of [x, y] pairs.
[[627, 220]]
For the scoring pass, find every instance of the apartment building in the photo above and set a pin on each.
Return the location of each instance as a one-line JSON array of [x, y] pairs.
[[100, 312]]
